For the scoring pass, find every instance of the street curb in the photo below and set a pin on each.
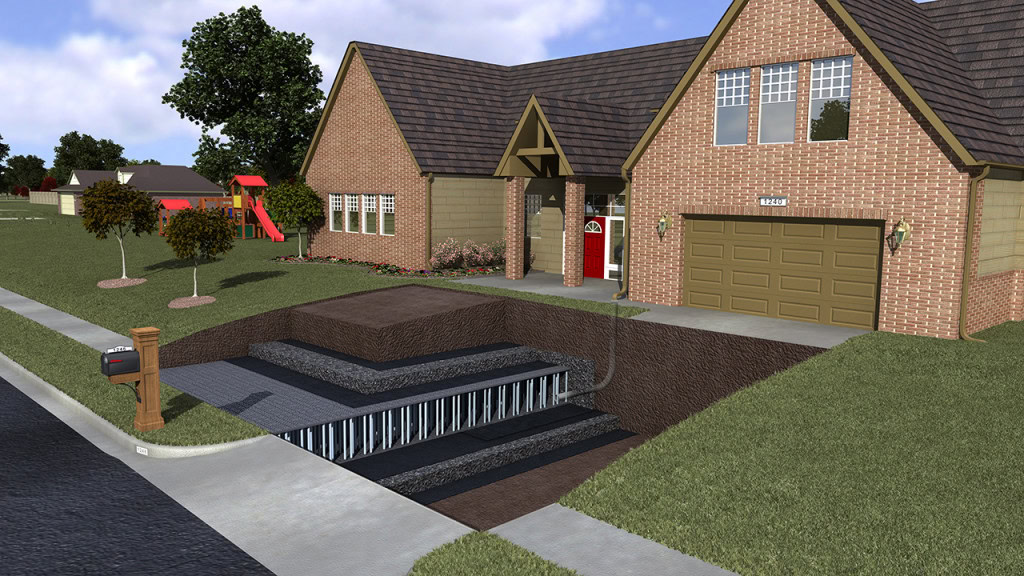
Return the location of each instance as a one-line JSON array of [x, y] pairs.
[[113, 432]]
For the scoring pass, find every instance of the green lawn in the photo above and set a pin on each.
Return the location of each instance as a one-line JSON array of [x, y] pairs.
[[57, 263], [887, 455], [484, 554]]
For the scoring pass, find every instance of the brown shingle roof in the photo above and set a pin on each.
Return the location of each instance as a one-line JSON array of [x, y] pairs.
[[87, 178], [945, 50], [457, 115]]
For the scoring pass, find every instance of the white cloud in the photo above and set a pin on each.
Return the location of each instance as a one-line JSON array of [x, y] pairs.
[[108, 81]]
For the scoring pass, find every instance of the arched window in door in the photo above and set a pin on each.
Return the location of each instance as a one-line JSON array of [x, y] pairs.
[[592, 226]]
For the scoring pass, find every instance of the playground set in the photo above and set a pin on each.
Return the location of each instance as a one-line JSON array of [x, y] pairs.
[[244, 207]]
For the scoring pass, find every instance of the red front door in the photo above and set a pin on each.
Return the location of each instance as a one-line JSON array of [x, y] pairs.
[[593, 246]]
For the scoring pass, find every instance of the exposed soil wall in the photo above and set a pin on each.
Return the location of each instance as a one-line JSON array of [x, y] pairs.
[[663, 373]]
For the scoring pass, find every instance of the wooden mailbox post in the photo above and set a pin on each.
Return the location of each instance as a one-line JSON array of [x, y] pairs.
[[147, 379]]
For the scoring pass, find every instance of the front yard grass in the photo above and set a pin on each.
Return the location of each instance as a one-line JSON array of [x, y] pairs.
[[484, 554], [888, 454], [73, 368]]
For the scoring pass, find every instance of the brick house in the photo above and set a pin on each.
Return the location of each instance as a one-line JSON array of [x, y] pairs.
[[760, 170]]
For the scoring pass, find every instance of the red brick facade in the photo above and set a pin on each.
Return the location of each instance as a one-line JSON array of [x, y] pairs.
[[575, 193], [361, 152], [890, 167], [515, 227]]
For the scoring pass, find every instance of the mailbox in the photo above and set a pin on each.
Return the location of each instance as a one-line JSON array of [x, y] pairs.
[[113, 363]]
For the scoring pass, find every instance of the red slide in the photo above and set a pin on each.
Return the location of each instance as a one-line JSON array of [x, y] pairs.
[[261, 215]]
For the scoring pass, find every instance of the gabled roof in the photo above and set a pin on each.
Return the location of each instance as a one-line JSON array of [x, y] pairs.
[[152, 178], [85, 179], [244, 180]]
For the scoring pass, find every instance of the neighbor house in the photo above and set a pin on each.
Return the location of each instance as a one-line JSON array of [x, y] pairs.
[[762, 170], [159, 181]]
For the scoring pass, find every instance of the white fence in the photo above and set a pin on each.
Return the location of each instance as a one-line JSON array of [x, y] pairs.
[[37, 197]]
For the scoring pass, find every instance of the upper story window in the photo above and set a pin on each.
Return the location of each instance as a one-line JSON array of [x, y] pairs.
[[778, 103], [369, 213], [387, 214], [732, 106], [831, 79], [351, 213]]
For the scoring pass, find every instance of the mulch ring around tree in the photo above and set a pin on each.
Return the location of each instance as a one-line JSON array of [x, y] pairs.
[[191, 301], [120, 282]]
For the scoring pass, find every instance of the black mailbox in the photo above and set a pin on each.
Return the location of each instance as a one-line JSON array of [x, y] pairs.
[[120, 362]]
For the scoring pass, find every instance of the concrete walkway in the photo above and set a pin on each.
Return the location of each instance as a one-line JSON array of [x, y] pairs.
[[594, 548], [68, 325], [595, 290]]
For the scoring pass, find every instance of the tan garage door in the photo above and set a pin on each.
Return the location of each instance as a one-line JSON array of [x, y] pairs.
[[810, 270], [67, 204]]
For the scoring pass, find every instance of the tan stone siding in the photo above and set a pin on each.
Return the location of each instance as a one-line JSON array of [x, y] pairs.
[[361, 151], [891, 167], [997, 275], [548, 247], [467, 209]]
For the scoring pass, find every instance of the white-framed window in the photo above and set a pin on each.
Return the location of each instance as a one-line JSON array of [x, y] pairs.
[[387, 214], [829, 110], [351, 212], [337, 202], [732, 107], [534, 204], [777, 118], [369, 213]]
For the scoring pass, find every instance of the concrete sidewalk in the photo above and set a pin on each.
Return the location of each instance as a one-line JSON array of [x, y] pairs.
[[594, 548], [75, 328]]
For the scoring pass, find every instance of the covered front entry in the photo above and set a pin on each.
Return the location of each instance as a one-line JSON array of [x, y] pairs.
[[593, 247], [798, 269]]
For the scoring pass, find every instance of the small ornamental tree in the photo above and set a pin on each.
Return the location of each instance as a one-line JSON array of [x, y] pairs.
[[111, 207], [49, 183], [295, 205], [199, 235]]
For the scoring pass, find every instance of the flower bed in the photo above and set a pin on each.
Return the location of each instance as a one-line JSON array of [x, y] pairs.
[[384, 269]]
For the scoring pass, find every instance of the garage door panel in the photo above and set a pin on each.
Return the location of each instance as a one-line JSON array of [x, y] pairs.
[[812, 272]]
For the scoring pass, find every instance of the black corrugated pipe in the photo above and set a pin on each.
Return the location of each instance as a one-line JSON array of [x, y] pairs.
[[611, 365]]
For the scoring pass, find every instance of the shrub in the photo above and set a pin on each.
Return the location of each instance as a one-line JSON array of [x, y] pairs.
[[450, 254]]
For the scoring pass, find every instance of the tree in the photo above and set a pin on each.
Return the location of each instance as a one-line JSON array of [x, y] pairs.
[[255, 82], [149, 162], [199, 235], [111, 207], [295, 205], [20, 191], [218, 162], [26, 171], [83, 152], [49, 183], [4, 151], [833, 123]]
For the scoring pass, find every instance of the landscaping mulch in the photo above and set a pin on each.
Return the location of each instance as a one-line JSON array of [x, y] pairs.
[[191, 302], [385, 269], [505, 500], [120, 282]]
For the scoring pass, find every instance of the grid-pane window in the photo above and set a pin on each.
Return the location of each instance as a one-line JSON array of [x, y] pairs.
[[534, 204], [337, 211], [732, 106], [369, 213], [778, 103], [351, 213], [387, 214], [831, 80]]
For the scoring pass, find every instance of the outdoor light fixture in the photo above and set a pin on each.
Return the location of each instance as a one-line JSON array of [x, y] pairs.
[[664, 224], [898, 236]]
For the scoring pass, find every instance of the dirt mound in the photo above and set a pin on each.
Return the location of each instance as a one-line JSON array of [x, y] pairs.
[[191, 302], [120, 282]]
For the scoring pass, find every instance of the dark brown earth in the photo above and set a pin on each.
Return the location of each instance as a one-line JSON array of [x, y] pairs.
[[488, 506]]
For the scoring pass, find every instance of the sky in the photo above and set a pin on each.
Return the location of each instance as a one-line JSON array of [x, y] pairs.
[[101, 66]]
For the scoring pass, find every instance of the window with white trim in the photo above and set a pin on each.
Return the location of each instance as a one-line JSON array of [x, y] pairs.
[[831, 80], [387, 214], [777, 118], [351, 212], [534, 204], [337, 202], [369, 213], [732, 107]]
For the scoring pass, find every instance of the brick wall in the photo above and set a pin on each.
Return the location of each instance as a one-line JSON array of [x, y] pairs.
[[515, 227], [890, 167], [575, 192], [361, 152]]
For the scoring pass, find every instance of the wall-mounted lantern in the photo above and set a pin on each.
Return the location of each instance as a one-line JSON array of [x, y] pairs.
[[663, 225], [899, 235]]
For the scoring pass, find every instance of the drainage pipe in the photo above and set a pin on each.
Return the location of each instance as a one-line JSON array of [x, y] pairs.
[[430, 213], [625, 240], [968, 247], [611, 365]]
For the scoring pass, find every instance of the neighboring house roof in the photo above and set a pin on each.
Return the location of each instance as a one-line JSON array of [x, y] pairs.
[[150, 178], [958, 60]]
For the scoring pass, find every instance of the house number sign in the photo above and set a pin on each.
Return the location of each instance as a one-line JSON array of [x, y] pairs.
[[776, 201]]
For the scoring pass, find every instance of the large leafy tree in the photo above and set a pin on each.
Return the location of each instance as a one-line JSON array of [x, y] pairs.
[[295, 205], [27, 171], [150, 162], [49, 183], [83, 152], [257, 84], [217, 161], [4, 151], [198, 236], [109, 207]]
